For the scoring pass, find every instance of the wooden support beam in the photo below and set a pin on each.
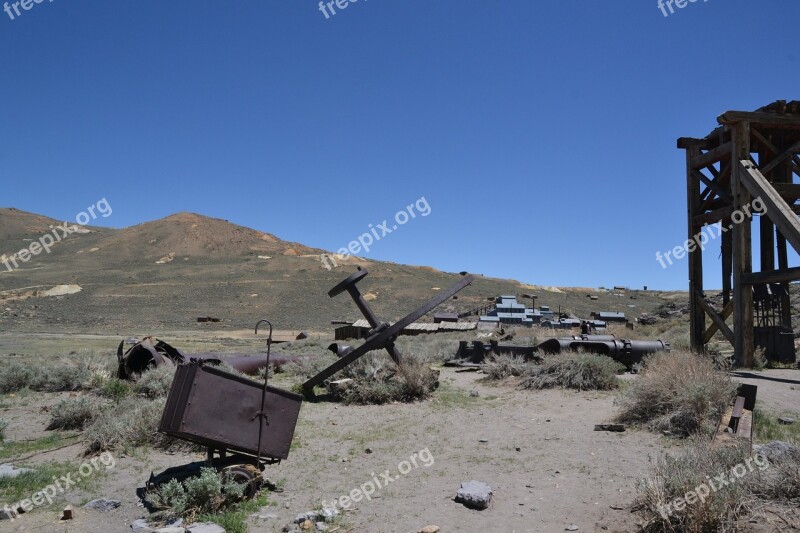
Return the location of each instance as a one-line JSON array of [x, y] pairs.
[[772, 276], [712, 184], [785, 156], [697, 319], [712, 156], [758, 118], [790, 192], [713, 217], [779, 211], [713, 328], [744, 350], [715, 318]]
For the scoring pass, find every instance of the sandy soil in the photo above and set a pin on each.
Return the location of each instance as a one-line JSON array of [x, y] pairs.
[[537, 450]]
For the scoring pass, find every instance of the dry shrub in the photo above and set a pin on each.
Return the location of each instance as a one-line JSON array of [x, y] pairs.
[[130, 423], [574, 370], [68, 374], [672, 478], [678, 392], [770, 476], [155, 383], [378, 382], [504, 366], [74, 413]]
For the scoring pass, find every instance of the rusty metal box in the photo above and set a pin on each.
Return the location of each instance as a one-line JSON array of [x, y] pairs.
[[218, 409]]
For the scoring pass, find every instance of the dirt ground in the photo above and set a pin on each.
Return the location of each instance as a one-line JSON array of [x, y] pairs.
[[537, 449]]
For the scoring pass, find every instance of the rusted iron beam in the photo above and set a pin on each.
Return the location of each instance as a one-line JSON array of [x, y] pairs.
[[382, 335]]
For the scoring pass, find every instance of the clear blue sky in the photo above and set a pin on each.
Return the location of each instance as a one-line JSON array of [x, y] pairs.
[[542, 134]]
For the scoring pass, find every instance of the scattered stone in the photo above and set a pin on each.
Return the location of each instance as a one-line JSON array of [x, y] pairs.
[[176, 523], [785, 420], [368, 450], [9, 470], [429, 529], [206, 527], [474, 494], [483, 440], [7, 514], [321, 526], [571, 527], [610, 427], [518, 449], [68, 513], [141, 526], [474, 393], [323, 515], [171, 530], [308, 524], [103, 505]]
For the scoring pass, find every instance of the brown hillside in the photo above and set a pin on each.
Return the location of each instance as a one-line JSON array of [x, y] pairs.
[[196, 236]]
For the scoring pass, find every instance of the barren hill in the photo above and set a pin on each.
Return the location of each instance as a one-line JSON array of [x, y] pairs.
[[162, 275]]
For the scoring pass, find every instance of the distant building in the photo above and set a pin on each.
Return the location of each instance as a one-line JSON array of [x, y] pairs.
[[608, 316], [445, 317], [509, 311]]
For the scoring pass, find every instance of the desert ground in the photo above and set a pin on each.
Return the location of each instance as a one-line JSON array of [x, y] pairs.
[[537, 449]]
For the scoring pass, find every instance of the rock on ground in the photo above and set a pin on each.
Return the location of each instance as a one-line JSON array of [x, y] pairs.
[[474, 494]]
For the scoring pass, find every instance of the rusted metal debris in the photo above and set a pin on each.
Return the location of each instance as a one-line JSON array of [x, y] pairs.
[[151, 353], [737, 423], [382, 335], [245, 425], [627, 352], [221, 410]]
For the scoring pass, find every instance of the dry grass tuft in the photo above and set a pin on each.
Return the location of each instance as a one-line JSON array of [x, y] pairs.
[[678, 392]]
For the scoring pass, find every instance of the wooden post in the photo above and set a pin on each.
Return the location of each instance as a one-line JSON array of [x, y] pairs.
[[742, 252], [697, 316]]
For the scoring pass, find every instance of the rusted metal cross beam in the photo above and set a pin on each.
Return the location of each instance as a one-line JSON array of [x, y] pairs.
[[382, 335]]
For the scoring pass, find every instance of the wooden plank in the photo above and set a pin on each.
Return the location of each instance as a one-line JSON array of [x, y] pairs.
[[773, 276], [790, 192], [715, 318], [777, 210], [713, 217], [736, 414], [713, 328], [712, 156], [757, 118]]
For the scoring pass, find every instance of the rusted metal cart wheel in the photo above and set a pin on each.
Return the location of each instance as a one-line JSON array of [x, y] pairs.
[[247, 475]]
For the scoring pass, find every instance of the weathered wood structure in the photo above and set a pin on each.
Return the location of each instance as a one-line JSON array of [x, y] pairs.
[[749, 157]]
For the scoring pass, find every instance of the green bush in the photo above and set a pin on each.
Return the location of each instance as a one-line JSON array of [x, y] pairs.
[[581, 371], [678, 392], [3, 427], [206, 493], [74, 413]]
